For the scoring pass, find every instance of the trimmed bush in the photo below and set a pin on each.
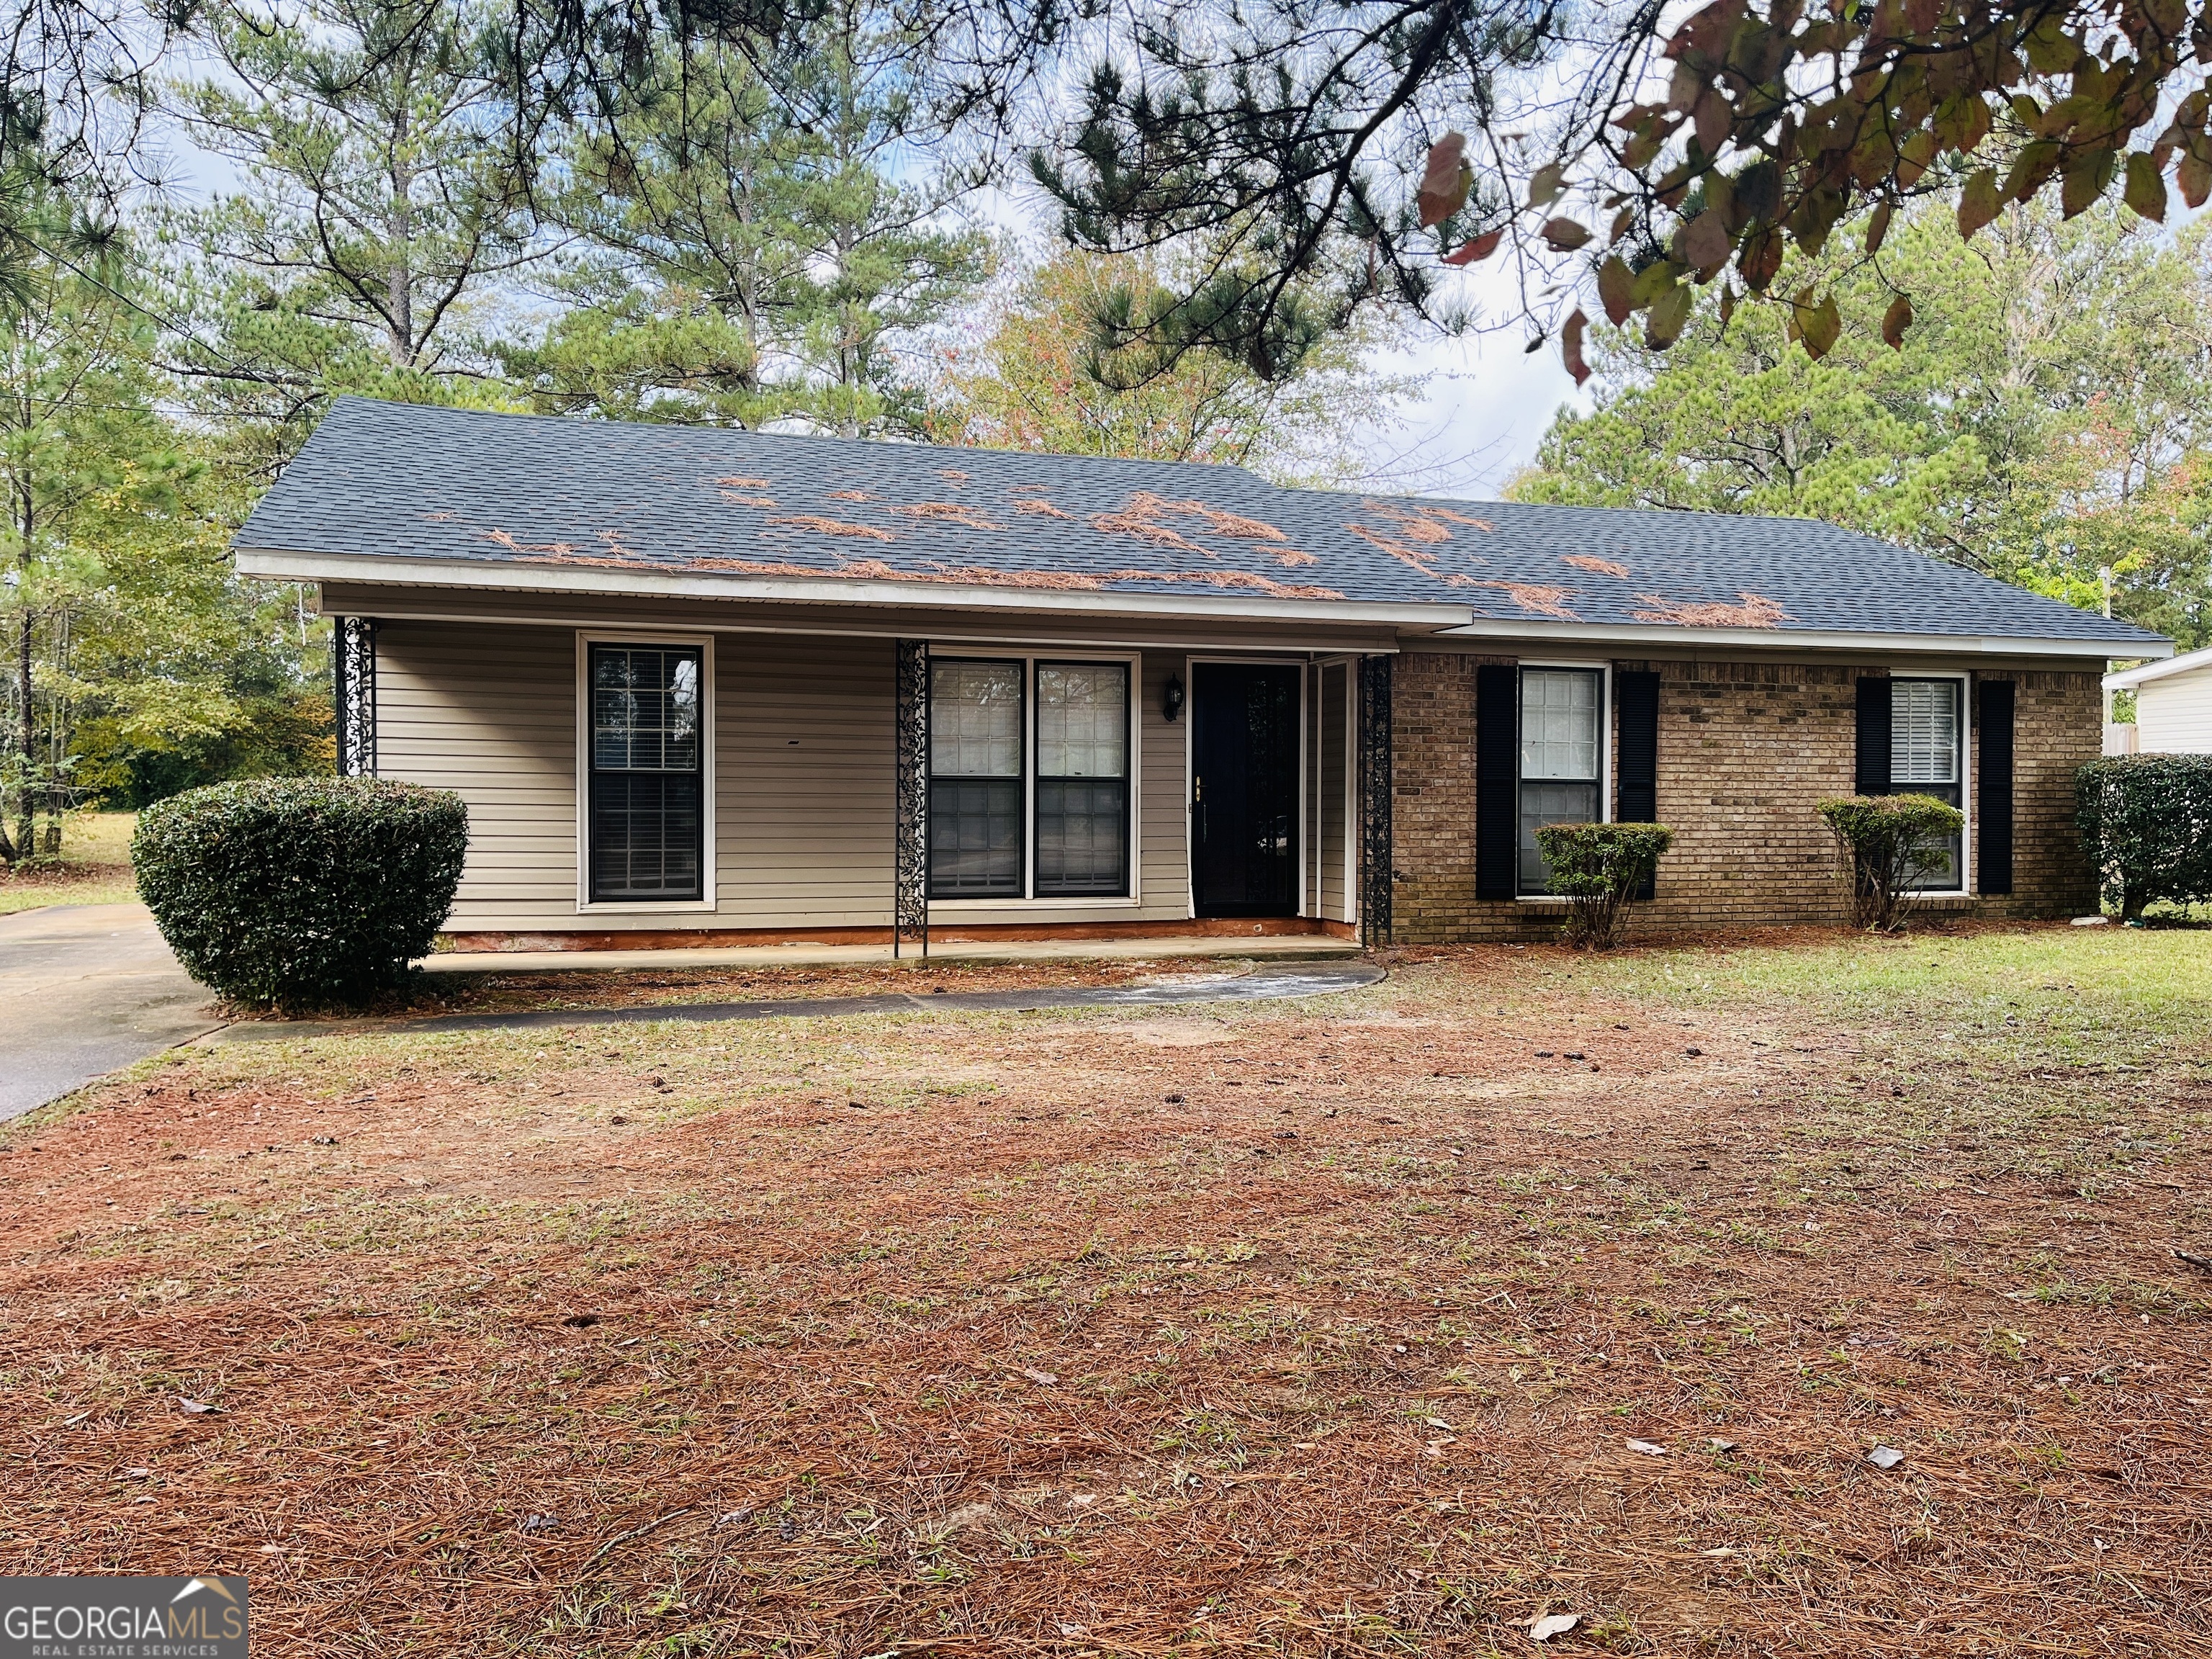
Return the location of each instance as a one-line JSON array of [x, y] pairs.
[[1597, 868], [301, 892], [2147, 825], [1881, 841]]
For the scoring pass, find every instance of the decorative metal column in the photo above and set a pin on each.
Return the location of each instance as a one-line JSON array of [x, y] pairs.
[[910, 846], [1375, 850], [353, 672]]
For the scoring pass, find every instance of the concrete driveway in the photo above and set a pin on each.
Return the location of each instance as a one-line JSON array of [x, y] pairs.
[[83, 989]]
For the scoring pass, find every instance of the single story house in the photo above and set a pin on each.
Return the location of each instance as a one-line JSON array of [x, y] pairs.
[[702, 686], [2173, 707]]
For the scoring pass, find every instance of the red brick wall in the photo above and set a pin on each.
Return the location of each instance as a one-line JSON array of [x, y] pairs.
[[1747, 749]]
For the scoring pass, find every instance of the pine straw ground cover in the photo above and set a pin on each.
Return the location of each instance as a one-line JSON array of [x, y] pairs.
[[1314, 1329]]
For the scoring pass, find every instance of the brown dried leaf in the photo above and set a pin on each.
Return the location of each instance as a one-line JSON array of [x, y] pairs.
[[1480, 248], [1565, 235], [1570, 347], [1895, 321], [1706, 243], [1445, 181], [1878, 227]]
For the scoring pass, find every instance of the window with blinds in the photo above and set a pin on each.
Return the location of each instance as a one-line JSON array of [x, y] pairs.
[[1928, 756], [647, 796], [1561, 759], [1028, 785], [975, 780], [1083, 778]]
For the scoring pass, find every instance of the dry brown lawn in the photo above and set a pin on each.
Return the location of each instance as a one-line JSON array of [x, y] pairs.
[[1305, 1329]]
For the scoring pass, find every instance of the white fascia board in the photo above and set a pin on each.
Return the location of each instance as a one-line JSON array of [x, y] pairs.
[[278, 565], [2127, 678], [1673, 636]]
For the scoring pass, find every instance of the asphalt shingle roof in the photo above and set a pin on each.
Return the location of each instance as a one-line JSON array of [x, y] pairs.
[[397, 480]]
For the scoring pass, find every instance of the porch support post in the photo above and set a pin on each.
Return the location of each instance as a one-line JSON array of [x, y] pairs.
[[910, 848], [353, 694], [1375, 851]]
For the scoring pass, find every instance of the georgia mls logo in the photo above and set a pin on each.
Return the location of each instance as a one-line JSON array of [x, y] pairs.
[[123, 1618]]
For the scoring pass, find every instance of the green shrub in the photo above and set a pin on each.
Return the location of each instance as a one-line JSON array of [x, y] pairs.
[[301, 892], [1597, 868], [2146, 824], [1882, 841]]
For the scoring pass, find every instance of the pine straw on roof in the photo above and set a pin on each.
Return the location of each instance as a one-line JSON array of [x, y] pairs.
[[1314, 1333]]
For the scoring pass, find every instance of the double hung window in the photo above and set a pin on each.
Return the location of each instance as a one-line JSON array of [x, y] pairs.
[[1028, 780], [648, 803], [1927, 757], [1562, 760]]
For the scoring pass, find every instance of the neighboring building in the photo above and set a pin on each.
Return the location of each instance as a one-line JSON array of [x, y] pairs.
[[2173, 707], [703, 686]]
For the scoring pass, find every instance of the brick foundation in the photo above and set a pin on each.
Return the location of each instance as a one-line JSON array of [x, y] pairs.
[[1747, 751]]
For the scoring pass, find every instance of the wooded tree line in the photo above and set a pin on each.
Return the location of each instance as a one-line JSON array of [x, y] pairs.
[[2046, 421], [751, 211], [740, 238]]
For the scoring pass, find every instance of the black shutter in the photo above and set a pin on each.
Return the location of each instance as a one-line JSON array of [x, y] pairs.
[[1873, 735], [1636, 715], [1994, 793], [1497, 778]]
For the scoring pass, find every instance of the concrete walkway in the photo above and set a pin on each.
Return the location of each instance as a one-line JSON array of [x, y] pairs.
[[1260, 985], [1280, 947], [83, 989]]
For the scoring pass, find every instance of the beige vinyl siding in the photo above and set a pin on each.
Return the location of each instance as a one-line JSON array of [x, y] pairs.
[[1334, 782], [2173, 716], [490, 713], [803, 823], [803, 809]]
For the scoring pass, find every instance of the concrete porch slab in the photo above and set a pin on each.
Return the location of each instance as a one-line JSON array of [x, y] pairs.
[[1296, 947]]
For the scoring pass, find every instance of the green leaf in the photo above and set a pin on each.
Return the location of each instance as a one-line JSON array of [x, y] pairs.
[[1565, 235], [1616, 286], [1978, 203], [2146, 188], [1668, 316], [2086, 176], [1544, 187], [1818, 325]]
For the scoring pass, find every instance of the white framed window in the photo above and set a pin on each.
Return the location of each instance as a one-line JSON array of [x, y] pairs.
[[645, 772], [1564, 760], [1032, 769], [1928, 734]]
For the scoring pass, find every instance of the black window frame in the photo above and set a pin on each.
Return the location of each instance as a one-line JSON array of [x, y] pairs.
[[1599, 784], [1020, 781], [1034, 707], [599, 781], [1032, 776]]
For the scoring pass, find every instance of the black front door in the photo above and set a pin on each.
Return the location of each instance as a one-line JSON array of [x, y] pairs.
[[1244, 789]]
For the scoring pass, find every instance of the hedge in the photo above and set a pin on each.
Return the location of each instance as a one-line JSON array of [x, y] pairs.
[[2146, 822], [1597, 868], [1881, 841], [301, 892]]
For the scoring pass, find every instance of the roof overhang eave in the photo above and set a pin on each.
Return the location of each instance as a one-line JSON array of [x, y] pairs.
[[2128, 678], [279, 564], [1675, 634]]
